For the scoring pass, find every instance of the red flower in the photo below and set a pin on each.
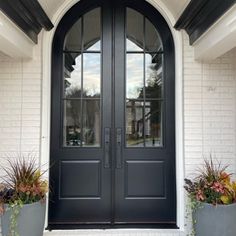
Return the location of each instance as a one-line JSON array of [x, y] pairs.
[[218, 187], [200, 195]]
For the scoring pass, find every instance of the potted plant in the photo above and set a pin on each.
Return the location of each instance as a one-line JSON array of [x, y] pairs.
[[23, 199], [212, 195]]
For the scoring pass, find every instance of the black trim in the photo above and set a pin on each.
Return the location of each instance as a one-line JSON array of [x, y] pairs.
[[61, 226], [200, 15], [28, 15]]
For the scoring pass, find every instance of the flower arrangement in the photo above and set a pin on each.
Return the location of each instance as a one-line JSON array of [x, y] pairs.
[[213, 185], [22, 184]]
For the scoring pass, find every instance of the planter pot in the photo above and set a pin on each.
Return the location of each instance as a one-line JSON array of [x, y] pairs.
[[30, 221], [215, 220]]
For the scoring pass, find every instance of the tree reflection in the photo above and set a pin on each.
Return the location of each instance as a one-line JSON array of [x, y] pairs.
[[73, 117], [83, 118], [146, 120], [153, 91]]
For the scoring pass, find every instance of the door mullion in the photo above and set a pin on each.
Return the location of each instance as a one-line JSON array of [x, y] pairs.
[[119, 100], [107, 74]]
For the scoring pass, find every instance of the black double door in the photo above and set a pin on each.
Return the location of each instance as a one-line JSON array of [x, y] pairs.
[[112, 119]]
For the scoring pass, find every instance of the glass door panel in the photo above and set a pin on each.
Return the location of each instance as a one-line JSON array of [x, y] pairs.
[[144, 82], [82, 82]]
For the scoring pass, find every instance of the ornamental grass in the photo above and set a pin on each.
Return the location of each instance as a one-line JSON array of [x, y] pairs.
[[213, 185], [23, 183]]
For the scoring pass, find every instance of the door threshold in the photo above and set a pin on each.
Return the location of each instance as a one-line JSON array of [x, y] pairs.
[[111, 226]]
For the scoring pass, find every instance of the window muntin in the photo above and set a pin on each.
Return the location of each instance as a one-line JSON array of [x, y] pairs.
[[82, 97], [144, 82]]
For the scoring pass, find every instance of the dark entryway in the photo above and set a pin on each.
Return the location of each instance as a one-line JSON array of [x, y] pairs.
[[112, 118]]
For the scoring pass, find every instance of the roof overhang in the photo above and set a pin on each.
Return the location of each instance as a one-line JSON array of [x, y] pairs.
[[211, 26], [28, 15], [20, 23], [13, 41], [219, 39]]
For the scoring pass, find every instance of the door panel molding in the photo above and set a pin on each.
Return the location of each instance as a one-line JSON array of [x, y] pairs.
[[89, 170]]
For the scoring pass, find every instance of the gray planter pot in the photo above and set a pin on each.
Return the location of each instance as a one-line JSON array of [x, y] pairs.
[[217, 220], [30, 221]]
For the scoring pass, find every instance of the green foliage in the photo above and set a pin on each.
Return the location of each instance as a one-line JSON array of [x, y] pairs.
[[14, 208]]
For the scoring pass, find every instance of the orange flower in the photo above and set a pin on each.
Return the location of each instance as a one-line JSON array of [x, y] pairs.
[[225, 177], [44, 187], [22, 188]]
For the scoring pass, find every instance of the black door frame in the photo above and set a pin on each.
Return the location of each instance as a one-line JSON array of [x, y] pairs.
[[70, 17]]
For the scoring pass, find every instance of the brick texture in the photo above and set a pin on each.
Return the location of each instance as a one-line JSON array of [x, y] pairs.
[[209, 109]]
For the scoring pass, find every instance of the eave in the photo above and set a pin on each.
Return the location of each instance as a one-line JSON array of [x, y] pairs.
[[28, 15], [200, 15], [13, 42]]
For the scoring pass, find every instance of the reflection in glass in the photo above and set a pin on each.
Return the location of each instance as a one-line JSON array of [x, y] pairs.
[[153, 123], [134, 75], [153, 82], [152, 38], [72, 75], [132, 46], [72, 123], [134, 124], [92, 30], [91, 123], [95, 47], [91, 75], [134, 30], [73, 38]]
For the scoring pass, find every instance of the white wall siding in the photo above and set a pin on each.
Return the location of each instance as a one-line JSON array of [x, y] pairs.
[[209, 109], [20, 106]]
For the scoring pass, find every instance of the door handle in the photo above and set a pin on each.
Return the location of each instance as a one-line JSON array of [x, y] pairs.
[[107, 148], [118, 148]]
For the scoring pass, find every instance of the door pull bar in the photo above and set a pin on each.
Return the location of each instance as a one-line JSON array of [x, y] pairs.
[[107, 148], [118, 148]]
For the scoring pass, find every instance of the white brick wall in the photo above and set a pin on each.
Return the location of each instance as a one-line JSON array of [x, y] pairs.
[[20, 96], [209, 114], [209, 109]]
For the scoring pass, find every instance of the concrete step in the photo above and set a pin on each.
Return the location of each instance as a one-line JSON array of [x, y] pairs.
[[115, 232]]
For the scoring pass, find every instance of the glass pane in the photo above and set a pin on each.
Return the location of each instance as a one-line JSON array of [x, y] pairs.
[[153, 123], [72, 75], [152, 38], [92, 30], [154, 80], [73, 38], [134, 76], [92, 74], [91, 123], [134, 124], [134, 30], [72, 123]]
